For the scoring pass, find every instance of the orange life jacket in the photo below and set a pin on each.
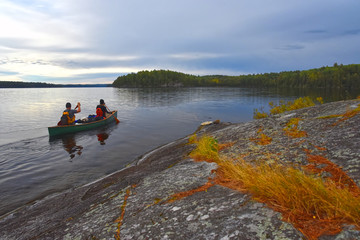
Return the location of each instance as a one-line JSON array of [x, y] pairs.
[[99, 112], [65, 118]]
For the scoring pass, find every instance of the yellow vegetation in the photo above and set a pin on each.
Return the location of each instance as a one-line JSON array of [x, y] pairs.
[[348, 114], [119, 220], [292, 130], [343, 117], [258, 114], [207, 149], [192, 139], [283, 106], [313, 205], [262, 139]]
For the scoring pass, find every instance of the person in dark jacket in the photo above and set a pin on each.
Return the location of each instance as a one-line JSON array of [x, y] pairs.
[[101, 109]]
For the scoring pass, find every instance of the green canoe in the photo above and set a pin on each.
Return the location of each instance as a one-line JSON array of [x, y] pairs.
[[59, 130]]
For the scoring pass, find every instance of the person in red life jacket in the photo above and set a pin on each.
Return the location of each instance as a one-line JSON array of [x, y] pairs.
[[101, 110], [68, 117]]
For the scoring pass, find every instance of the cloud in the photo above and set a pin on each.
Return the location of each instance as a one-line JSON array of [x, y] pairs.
[[81, 40], [317, 31], [7, 73], [291, 47], [353, 32]]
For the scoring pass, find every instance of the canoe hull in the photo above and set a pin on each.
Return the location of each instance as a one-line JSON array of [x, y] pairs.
[[60, 130]]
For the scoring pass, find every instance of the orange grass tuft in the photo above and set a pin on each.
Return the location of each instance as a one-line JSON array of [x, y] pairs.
[[338, 176], [180, 195], [343, 117], [262, 139], [292, 130], [207, 149], [320, 148], [349, 114], [119, 220], [314, 206]]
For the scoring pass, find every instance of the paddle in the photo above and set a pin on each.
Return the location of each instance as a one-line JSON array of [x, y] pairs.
[[117, 120]]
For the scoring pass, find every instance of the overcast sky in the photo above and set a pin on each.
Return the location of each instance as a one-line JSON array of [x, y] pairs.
[[95, 41]]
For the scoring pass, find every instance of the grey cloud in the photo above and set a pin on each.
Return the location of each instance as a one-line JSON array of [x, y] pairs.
[[233, 36], [352, 32], [317, 31], [18, 44], [291, 47]]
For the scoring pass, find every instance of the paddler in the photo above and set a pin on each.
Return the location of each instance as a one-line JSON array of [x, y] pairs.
[[68, 117], [101, 109]]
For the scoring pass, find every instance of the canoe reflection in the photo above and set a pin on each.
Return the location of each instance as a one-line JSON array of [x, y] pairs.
[[75, 144], [70, 146]]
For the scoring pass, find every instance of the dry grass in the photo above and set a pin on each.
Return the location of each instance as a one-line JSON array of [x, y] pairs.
[[313, 205], [343, 117], [207, 149], [181, 195], [260, 114], [283, 106], [120, 219], [292, 130], [262, 139], [293, 192], [348, 114]]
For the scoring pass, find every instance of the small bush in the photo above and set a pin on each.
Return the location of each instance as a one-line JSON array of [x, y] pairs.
[[207, 149], [292, 130], [283, 106]]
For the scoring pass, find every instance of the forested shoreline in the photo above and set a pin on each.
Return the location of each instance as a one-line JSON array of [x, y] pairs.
[[14, 84], [337, 76]]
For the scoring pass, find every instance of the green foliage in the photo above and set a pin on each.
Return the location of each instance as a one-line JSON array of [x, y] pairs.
[[156, 78], [14, 84], [338, 76]]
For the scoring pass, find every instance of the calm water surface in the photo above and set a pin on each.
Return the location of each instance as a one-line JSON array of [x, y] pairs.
[[33, 166]]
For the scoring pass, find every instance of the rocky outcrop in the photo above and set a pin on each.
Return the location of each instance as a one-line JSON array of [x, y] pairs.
[[138, 202]]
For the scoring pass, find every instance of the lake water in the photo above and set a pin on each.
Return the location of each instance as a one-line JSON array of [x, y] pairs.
[[33, 166]]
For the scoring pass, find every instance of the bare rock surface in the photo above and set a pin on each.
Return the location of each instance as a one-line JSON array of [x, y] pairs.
[[136, 202]]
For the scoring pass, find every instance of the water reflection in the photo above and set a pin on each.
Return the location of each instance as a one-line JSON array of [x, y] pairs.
[[74, 143], [154, 97], [102, 137], [70, 146]]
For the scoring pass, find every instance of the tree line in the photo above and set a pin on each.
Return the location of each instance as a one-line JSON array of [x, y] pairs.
[[336, 76], [15, 84]]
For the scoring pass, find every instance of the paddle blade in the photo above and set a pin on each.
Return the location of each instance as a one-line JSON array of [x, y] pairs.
[[117, 120]]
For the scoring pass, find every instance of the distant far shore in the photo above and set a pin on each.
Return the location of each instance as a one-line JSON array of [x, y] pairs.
[[14, 84]]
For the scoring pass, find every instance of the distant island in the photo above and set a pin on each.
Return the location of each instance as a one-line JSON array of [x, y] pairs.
[[337, 76], [15, 84]]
